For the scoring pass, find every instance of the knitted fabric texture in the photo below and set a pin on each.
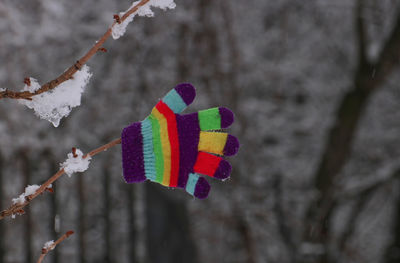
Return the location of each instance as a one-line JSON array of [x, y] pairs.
[[175, 150]]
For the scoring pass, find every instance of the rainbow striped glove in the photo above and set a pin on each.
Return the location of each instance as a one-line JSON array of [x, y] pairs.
[[173, 149]]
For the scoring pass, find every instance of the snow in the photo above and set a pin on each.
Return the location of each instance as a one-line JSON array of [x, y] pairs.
[[29, 190], [57, 103], [163, 4], [48, 245], [2, 89], [118, 30], [33, 87], [76, 164]]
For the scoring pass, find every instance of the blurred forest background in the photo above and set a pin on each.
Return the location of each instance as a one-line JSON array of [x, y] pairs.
[[315, 88]]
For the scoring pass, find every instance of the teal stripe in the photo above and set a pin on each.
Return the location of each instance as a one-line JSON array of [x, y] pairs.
[[191, 183], [148, 150], [174, 101]]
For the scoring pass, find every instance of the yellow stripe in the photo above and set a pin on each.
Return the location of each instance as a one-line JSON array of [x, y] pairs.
[[165, 144], [212, 142]]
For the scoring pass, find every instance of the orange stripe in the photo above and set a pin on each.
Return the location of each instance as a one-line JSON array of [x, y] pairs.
[[173, 139]]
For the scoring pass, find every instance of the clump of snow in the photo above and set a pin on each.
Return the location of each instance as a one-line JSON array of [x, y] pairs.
[[76, 164], [118, 30], [29, 190], [58, 103], [48, 245], [34, 86], [163, 4], [2, 89]]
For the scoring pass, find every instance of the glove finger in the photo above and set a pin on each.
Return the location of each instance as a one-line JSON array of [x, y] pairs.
[[215, 118], [220, 143], [197, 186], [211, 165], [180, 97]]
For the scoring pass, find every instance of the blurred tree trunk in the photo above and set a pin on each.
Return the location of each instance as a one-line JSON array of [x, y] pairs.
[[106, 210], [81, 220], [47, 156], [2, 233], [54, 220], [26, 171], [132, 226], [206, 41], [392, 254], [367, 79], [168, 232]]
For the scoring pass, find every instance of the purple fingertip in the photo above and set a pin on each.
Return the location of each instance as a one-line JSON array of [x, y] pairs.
[[223, 171], [227, 117], [186, 91], [231, 146], [202, 188]]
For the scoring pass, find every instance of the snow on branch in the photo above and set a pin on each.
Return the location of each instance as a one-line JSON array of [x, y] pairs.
[[76, 162], [50, 245], [29, 190], [52, 104], [144, 9], [57, 103]]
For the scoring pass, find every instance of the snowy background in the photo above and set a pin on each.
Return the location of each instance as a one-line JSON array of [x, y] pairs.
[[284, 67]]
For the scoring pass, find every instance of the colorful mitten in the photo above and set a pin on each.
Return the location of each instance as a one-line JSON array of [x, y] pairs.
[[172, 149]]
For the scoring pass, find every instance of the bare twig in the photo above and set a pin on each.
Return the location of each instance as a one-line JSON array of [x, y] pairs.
[[75, 67], [46, 250], [17, 208]]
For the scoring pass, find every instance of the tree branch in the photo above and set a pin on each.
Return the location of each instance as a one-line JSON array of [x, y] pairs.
[[340, 139], [361, 203], [46, 250], [389, 56], [283, 228], [17, 208], [68, 74], [361, 36], [344, 197]]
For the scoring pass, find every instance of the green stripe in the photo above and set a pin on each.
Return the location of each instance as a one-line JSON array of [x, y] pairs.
[[157, 149], [210, 119]]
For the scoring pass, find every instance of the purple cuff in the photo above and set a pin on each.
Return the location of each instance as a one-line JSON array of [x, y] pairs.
[[132, 153]]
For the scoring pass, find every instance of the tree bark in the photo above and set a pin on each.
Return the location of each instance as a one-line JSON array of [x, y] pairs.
[[132, 224], [81, 221], [26, 171], [106, 211], [168, 231], [368, 78], [47, 155], [2, 232], [392, 254]]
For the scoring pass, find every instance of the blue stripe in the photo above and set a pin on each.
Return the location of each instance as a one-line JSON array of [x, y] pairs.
[[148, 151], [191, 183], [174, 101]]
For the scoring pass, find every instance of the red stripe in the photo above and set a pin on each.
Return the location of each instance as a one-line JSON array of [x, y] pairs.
[[206, 164], [173, 139]]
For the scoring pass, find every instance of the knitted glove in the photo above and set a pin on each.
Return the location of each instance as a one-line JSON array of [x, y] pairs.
[[172, 149]]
